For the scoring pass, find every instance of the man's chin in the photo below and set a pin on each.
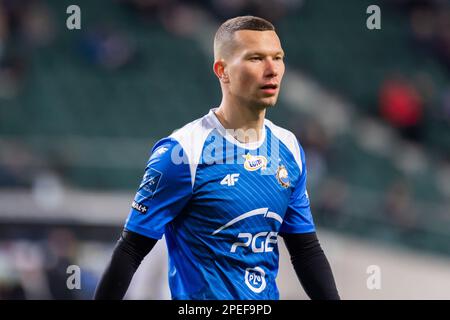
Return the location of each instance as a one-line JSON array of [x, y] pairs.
[[263, 103], [268, 103]]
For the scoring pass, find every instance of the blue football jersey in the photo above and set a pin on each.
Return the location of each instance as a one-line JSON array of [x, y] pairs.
[[221, 205]]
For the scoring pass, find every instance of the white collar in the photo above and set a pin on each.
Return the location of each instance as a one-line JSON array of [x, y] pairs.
[[226, 134]]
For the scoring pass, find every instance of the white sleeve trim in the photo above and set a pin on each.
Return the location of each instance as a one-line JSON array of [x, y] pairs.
[[192, 137]]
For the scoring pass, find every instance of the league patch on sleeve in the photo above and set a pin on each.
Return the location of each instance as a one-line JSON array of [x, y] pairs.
[[149, 185]]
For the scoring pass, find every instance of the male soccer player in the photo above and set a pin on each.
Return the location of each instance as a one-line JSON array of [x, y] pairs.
[[224, 187]]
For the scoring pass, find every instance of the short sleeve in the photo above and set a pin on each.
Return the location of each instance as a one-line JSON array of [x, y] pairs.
[[298, 217], [163, 192]]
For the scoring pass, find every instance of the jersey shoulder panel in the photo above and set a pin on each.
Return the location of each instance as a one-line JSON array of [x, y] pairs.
[[288, 139], [192, 137]]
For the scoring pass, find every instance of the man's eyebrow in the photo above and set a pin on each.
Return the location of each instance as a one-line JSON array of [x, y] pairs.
[[259, 53]]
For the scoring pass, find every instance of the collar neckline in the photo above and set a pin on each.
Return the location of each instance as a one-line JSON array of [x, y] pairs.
[[226, 134]]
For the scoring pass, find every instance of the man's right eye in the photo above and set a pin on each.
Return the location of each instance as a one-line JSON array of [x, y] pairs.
[[255, 58]]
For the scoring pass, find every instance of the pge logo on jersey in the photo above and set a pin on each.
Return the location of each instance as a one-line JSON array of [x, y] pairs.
[[255, 279], [261, 242]]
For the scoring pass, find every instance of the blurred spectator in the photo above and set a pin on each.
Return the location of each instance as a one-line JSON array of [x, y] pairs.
[[47, 190], [430, 24], [35, 268], [182, 20], [29, 261], [443, 179], [315, 143], [401, 105], [12, 70], [37, 24], [23, 25], [4, 31], [399, 206], [16, 164], [10, 286], [107, 48], [442, 43], [62, 252], [332, 201], [446, 104]]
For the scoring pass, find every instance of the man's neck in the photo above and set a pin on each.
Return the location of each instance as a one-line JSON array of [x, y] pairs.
[[247, 122]]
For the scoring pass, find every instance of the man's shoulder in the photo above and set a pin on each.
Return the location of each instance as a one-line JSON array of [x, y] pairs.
[[288, 138], [188, 139], [194, 127], [194, 132], [280, 132]]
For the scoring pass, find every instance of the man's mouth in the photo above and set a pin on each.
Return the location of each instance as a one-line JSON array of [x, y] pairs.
[[270, 89], [269, 86]]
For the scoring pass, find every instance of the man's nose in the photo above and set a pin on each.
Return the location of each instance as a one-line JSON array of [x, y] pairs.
[[271, 68]]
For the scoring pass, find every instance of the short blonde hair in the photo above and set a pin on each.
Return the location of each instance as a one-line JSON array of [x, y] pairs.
[[224, 34]]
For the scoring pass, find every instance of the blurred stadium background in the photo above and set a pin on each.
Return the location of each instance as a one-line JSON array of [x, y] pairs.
[[80, 110]]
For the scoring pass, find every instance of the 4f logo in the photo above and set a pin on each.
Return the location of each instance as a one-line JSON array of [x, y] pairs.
[[230, 179]]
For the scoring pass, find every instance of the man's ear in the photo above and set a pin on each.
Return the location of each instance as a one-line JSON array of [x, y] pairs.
[[221, 71]]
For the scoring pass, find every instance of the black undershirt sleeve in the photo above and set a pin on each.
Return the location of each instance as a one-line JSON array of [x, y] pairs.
[[311, 266], [128, 254]]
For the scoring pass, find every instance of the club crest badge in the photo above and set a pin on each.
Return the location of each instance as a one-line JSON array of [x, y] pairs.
[[283, 177]]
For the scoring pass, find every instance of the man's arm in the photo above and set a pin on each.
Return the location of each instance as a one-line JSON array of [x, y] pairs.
[[128, 254], [311, 265], [165, 189]]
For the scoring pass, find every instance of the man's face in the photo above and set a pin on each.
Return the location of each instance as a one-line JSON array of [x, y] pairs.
[[255, 68]]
